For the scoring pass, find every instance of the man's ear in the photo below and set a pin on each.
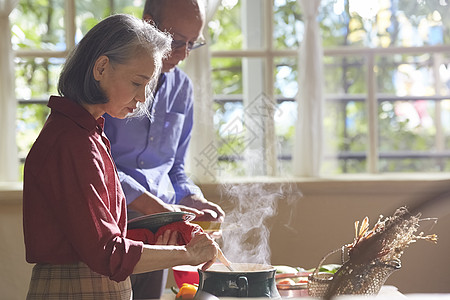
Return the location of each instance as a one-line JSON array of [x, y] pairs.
[[100, 66], [148, 18]]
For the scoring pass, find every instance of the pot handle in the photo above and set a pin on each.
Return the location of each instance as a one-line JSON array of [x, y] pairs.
[[242, 284]]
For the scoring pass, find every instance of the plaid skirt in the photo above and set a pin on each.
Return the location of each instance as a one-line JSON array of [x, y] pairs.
[[75, 282]]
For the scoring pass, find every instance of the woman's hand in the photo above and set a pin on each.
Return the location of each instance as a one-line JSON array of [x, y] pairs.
[[202, 248], [167, 238]]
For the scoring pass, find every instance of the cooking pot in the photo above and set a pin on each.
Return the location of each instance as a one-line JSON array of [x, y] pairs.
[[246, 280]]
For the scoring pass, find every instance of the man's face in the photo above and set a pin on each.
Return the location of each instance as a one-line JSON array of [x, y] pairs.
[[184, 23]]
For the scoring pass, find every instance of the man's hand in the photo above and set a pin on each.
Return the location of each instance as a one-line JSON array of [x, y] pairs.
[[148, 204], [209, 211]]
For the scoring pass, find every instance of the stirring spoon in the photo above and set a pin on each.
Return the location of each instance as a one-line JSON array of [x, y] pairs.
[[221, 257]]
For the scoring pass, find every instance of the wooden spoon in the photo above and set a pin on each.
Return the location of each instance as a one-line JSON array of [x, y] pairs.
[[221, 257]]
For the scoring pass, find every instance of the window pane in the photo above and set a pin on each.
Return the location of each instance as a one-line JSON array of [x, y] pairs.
[[286, 74], [286, 88], [383, 23], [135, 7], [37, 78], [413, 164], [228, 117], [406, 126], [88, 14], [38, 25], [288, 28], [443, 63], [285, 118], [345, 130], [345, 75], [227, 76], [229, 125], [345, 122], [225, 28], [406, 75], [445, 122]]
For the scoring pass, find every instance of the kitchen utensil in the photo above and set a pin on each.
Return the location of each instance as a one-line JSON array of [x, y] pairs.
[[221, 257], [155, 221], [247, 280]]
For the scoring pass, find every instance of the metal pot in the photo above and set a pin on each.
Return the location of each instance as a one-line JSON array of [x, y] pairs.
[[247, 280]]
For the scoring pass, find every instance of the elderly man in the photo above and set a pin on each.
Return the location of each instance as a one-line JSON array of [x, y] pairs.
[[150, 154]]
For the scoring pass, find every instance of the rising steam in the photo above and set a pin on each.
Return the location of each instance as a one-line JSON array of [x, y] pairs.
[[245, 232]]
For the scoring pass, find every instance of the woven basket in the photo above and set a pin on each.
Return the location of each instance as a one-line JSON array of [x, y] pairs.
[[350, 279]]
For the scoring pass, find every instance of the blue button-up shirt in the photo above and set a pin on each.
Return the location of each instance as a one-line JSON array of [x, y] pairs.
[[150, 156]]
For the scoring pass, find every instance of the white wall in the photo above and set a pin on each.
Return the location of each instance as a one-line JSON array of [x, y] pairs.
[[15, 272]]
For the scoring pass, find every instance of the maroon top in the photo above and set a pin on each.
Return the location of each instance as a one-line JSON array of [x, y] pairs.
[[73, 205]]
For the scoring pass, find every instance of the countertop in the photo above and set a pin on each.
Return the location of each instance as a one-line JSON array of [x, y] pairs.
[[386, 293]]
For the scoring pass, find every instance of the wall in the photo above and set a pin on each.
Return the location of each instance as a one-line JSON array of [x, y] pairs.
[[15, 272], [301, 233]]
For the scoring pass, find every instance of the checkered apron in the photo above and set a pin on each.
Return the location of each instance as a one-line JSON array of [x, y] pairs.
[[75, 282]]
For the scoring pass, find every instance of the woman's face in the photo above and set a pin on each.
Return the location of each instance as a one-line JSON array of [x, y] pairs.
[[124, 84]]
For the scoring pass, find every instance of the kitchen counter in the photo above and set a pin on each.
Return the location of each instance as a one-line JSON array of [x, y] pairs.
[[387, 292]]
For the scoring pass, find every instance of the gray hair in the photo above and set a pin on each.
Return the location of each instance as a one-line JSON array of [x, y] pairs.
[[119, 37]]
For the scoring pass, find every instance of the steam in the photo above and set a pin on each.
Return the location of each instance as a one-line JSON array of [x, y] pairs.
[[245, 232]]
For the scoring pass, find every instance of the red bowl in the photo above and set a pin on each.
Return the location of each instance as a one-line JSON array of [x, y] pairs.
[[185, 274]]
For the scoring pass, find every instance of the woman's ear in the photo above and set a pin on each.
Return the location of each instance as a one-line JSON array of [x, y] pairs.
[[100, 66]]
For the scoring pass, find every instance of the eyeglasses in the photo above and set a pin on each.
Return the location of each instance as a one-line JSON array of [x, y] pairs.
[[177, 44]]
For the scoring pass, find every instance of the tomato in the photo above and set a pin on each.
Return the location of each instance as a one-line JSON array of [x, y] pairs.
[[301, 280], [286, 281]]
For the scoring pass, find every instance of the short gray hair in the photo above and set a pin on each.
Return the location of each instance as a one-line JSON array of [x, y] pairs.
[[119, 37]]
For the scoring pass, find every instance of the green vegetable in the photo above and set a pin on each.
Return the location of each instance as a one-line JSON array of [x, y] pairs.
[[285, 269], [330, 268]]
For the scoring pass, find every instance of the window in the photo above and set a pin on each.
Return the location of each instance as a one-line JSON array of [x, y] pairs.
[[386, 79], [386, 82]]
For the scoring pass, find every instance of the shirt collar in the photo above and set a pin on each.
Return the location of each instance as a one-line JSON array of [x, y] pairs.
[[75, 112], [161, 80]]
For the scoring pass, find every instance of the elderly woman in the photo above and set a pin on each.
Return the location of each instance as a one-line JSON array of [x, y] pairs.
[[73, 206]]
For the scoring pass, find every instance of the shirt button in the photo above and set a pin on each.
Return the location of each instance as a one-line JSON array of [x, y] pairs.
[[151, 139], [142, 162]]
